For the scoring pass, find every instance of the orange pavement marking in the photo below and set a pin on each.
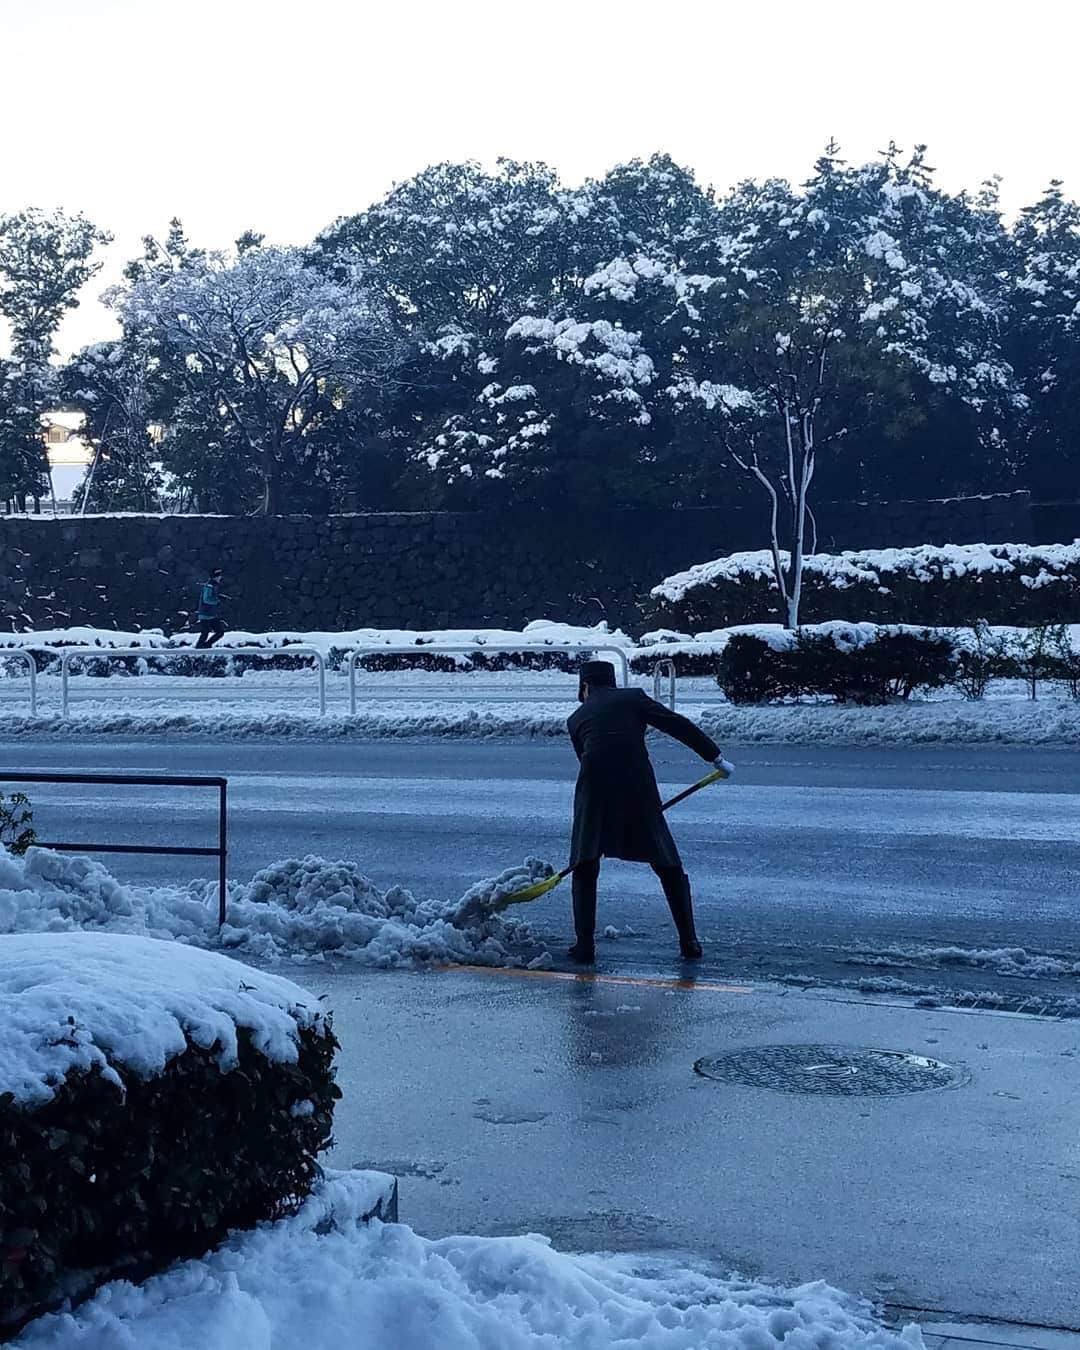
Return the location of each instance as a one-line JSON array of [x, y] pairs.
[[585, 977]]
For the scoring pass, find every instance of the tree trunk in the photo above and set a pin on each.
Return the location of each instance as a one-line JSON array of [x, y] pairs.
[[271, 475]]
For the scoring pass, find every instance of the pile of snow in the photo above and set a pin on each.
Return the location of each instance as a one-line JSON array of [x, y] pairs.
[[76, 1001], [323, 1279], [1017, 962], [479, 899], [298, 909], [1047, 564]]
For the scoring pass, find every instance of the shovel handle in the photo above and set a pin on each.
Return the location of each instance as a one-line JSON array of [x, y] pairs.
[[713, 777]]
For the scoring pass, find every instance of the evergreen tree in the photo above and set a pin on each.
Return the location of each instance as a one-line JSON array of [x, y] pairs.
[[1045, 341], [45, 260]]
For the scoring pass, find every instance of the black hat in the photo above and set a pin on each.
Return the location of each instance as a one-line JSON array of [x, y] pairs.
[[598, 674]]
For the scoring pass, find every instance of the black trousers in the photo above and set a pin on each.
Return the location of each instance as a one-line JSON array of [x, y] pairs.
[[676, 886], [209, 632]]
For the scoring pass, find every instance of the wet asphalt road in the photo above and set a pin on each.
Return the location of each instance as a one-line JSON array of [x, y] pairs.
[[811, 864]]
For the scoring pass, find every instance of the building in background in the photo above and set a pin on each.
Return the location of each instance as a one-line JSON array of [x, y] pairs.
[[70, 454]]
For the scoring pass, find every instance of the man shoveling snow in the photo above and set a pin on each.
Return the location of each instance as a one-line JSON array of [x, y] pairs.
[[617, 809]]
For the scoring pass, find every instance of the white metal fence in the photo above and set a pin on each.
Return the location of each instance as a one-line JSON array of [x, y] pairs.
[[437, 649], [69, 654], [18, 654]]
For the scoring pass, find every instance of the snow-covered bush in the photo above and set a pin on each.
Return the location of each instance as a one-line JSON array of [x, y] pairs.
[[16, 823], [1020, 584], [152, 1097], [848, 667], [1043, 655]]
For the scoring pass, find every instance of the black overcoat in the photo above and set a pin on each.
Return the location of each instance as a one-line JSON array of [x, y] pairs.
[[617, 804]]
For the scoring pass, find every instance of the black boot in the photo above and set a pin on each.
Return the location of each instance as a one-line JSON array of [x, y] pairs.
[[676, 886], [584, 949]]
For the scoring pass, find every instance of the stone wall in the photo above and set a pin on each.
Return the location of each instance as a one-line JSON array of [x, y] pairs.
[[417, 570]]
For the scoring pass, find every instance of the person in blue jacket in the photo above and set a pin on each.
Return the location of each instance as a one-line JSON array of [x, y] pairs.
[[210, 626]]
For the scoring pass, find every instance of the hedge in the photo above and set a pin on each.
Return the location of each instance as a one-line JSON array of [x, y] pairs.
[[890, 666], [956, 584], [862, 665], [119, 1172]]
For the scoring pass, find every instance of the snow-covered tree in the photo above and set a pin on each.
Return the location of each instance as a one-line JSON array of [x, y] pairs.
[[110, 382], [562, 422], [1046, 338], [45, 260], [796, 294], [270, 349]]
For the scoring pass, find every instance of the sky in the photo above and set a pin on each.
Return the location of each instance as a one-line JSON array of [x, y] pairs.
[[282, 116]]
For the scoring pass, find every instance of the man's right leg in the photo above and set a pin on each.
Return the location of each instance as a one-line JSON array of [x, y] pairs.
[[676, 886], [586, 875], [217, 633], [204, 633]]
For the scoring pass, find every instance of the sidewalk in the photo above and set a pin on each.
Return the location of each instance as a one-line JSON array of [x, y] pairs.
[[571, 1107]]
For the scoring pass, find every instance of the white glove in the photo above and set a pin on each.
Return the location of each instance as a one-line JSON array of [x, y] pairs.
[[723, 766]]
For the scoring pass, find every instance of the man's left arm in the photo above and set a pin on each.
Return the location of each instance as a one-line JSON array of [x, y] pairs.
[[680, 728]]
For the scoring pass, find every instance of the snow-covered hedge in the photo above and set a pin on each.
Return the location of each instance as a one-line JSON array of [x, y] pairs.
[[953, 584], [151, 1097], [170, 655], [848, 667]]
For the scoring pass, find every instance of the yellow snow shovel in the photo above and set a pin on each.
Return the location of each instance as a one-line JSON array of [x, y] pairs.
[[540, 888]]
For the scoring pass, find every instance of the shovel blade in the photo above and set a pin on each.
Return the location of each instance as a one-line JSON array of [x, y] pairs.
[[533, 892]]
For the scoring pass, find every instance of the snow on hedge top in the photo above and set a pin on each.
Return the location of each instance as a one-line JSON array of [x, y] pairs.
[[875, 567], [76, 1001], [539, 633]]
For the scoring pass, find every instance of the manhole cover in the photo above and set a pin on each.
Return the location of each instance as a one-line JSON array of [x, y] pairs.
[[838, 1070]]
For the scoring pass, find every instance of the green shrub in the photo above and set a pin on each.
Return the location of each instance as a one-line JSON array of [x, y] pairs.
[[895, 665], [16, 823], [1040, 655], [889, 666], [121, 1182], [983, 657], [687, 663], [750, 671]]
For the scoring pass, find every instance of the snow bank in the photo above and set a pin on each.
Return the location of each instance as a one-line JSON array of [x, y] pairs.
[[75, 1001], [322, 1279], [1005, 721], [295, 910], [1050, 720], [876, 567]]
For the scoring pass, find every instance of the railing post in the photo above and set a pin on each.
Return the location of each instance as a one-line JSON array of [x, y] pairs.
[[353, 658], [223, 845], [64, 681], [660, 669], [26, 657], [320, 662]]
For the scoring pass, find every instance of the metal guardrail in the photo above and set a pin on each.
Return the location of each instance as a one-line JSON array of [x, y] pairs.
[[659, 670], [142, 780], [21, 654], [68, 654], [437, 649]]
